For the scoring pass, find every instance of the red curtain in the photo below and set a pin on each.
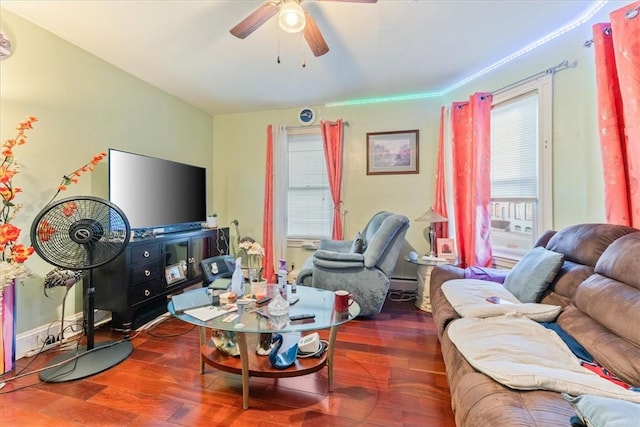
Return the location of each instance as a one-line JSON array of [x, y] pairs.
[[267, 221], [332, 138], [440, 200], [471, 179], [617, 55]]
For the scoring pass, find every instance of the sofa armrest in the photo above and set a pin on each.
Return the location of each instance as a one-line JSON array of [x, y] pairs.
[[443, 272], [342, 246], [442, 311]]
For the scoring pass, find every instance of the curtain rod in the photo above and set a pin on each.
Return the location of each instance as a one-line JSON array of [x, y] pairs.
[[560, 67], [311, 126], [630, 14], [607, 32]]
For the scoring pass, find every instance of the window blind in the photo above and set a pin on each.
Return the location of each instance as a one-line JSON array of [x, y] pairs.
[[310, 206], [514, 139]]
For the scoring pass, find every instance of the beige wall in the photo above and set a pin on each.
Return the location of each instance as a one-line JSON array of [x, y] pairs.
[[239, 148], [84, 106], [577, 169]]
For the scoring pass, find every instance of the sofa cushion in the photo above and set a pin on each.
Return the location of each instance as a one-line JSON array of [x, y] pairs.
[[596, 411], [524, 355], [469, 298], [584, 243], [533, 274]]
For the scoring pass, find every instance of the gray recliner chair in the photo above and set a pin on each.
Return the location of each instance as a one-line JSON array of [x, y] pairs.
[[362, 266]]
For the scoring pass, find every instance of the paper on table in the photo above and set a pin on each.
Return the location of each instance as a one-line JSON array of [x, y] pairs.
[[210, 312]]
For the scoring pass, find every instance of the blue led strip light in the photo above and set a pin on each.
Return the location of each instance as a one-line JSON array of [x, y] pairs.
[[588, 14]]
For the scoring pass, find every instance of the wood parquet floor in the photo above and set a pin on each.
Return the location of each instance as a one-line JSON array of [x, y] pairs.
[[388, 372]]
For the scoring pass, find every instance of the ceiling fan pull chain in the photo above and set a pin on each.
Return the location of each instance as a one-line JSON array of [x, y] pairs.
[[278, 39], [302, 50]]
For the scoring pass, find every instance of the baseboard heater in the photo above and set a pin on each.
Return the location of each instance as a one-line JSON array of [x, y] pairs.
[[403, 284]]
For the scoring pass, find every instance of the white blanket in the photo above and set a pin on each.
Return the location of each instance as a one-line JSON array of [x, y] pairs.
[[524, 355], [469, 298]]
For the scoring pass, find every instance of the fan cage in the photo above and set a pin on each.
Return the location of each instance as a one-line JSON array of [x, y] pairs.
[[80, 232]]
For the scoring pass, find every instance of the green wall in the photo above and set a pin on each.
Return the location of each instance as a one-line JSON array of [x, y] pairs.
[[239, 147], [84, 106]]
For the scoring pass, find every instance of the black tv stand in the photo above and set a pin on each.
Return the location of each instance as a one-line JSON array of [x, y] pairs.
[[135, 286]]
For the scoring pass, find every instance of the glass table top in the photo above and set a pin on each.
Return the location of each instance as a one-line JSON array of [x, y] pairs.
[[312, 301]]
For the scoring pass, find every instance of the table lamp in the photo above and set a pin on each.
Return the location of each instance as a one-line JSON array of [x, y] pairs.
[[431, 216]]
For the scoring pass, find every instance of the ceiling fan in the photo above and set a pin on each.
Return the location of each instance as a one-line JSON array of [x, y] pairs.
[[292, 18]]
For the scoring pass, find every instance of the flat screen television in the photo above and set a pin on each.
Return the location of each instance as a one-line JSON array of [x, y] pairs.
[[155, 194]]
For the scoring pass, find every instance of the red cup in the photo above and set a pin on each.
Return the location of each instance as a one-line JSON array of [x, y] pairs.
[[343, 300]]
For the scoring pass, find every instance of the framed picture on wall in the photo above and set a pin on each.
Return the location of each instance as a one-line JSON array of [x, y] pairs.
[[392, 152], [446, 249]]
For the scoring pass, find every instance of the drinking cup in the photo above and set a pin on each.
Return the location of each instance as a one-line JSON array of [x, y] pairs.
[[259, 290], [343, 300]]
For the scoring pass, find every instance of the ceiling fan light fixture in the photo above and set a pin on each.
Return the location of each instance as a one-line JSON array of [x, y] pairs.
[[291, 18]]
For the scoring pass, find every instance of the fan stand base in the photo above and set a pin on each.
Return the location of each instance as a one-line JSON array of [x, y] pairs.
[[83, 363]]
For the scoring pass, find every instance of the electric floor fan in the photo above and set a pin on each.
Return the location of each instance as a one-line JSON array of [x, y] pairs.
[[82, 233]]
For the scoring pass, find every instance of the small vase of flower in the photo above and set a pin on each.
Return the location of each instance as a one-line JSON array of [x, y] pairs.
[[251, 253], [212, 220]]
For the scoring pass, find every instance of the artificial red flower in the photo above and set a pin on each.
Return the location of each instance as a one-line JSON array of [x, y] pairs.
[[8, 233], [22, 252]]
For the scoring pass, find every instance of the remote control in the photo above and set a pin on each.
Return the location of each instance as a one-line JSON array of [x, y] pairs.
[[301, 317], [293, 300]]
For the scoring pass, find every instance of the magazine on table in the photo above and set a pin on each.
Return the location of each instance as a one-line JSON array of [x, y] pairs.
[[211, 312]]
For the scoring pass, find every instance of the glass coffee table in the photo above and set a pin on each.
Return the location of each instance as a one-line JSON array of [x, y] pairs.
[[250, 324]]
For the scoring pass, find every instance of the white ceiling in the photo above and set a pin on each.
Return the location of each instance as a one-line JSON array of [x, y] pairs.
[[392, 47]]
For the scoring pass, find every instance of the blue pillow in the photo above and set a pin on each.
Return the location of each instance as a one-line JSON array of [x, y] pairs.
[[533, 274], [597, 411]]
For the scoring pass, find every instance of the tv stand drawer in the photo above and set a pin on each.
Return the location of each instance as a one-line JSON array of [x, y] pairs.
[[146, 272], [146, 291], [145, 253]]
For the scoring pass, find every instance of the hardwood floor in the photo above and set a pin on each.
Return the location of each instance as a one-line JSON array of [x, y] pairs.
[[388, 372]]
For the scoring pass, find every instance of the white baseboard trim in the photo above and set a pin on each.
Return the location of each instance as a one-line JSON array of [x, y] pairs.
[[30, 342], [403, 284]]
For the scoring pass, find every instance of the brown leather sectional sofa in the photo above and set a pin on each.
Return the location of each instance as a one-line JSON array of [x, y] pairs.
[[598, 287]]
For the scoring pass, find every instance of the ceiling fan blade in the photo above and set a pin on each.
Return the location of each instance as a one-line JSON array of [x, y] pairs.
[[313, 36], [258, 17]]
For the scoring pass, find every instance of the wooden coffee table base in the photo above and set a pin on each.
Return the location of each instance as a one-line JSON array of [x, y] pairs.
[[250, 364]]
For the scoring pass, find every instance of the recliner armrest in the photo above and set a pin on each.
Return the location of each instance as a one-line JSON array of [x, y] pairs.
[[342, 246], [337, 260]]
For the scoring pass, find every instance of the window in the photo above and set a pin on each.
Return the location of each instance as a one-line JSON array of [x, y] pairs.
[[309, 202], [521, 166]]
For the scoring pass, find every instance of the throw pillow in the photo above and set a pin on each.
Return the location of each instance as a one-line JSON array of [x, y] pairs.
[[597, 411], [485, 273], [533, 274], [357, 247], [468, 297]]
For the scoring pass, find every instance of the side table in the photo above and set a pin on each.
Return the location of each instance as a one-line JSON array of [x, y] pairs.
[[424, 267]]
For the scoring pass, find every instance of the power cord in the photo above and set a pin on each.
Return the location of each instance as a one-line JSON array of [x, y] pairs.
[[397, 295], [55, 365]]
